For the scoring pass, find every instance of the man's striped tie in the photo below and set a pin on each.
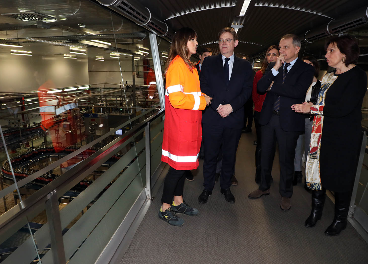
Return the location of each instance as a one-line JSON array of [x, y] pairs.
[[276, 105]]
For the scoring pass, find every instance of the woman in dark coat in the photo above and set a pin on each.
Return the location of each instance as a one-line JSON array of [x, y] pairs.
[[336, 135]]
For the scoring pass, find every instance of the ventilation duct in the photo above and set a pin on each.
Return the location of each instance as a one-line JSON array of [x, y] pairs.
[[137, 13], [339, 26]]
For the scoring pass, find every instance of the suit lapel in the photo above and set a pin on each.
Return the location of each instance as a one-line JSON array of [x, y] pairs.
[[294, 68], [219, 68]]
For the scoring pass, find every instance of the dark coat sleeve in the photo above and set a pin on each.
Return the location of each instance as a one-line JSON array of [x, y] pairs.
[[265, 82], [205, 84]]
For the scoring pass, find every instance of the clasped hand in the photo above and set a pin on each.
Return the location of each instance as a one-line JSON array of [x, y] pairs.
[[302, 108], [224, 110]]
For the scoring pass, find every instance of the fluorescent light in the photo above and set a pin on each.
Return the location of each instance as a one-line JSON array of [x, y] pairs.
[[11, 45], [96, 44], [70, 56], [77, 48], [80, 53], [21, 52], [244, 8], [101, 42], [291, 8], [203, 8]]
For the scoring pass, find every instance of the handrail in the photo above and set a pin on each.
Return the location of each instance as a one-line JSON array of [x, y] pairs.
[[65, 158], [66, 181]]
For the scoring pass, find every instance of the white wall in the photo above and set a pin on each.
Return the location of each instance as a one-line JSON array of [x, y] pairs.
[[25, 74]]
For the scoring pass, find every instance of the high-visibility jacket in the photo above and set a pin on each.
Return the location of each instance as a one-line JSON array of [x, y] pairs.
[[182, 128]]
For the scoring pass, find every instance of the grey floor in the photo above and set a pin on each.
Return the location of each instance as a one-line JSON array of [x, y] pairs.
[[249, 231]]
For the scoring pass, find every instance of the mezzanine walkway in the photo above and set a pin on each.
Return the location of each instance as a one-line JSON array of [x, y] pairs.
[[249, 231]]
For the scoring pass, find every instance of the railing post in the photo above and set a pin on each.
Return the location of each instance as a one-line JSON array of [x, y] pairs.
[[357, 175], [157, 67], [53, 219], [148, 160]]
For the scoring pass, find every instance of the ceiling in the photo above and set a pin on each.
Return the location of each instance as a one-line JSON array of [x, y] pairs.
[[264, 22]]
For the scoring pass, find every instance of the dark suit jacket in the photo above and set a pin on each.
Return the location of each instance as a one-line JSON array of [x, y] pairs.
[[292, 91], [236, 93]]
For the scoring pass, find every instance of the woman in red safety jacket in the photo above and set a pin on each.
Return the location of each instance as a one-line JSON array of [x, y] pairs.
[[182, 128]]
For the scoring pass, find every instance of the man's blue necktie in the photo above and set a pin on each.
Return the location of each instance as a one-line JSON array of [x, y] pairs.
[[276, 106]]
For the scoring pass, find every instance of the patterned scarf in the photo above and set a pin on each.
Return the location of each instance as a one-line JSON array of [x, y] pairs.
[[313, 178]]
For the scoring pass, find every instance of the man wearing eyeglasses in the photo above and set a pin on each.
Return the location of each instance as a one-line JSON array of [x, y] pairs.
[[228, 80]]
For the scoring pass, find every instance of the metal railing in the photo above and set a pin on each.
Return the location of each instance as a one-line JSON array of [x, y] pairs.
[[81, 231]]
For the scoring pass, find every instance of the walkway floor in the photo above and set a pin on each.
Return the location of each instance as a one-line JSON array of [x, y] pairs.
[[249, 231]]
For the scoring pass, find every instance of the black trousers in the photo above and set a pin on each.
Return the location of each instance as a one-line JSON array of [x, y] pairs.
[[286, 140], [248, 113], [173, 185], [216, 138], [259, 139]]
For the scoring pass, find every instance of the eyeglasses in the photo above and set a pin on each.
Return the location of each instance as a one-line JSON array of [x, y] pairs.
[[271, 54], [221, 41]]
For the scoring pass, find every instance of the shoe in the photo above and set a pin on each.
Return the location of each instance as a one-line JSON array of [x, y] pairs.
[[203, 198], [234, 181], [298, 176], [189, 176], [229, 197], [342, 203], [318, 201], [258, 194], [285, 204], [336, 227], [170, 217], [184, 208]]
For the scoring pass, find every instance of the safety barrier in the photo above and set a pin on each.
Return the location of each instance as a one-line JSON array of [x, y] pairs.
[[92, 225]]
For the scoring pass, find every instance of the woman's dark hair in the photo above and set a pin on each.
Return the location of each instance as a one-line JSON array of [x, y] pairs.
[[315, 64], [179, 45], [347, 45], [265, 63]]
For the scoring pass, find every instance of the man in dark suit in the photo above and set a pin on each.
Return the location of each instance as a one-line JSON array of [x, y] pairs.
[[287, 83], [202, 53], [228, 80]]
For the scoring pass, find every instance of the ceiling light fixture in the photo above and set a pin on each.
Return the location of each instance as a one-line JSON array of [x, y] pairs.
[[70, 56], [101, 42], [248, 42], [244, 7], [291, 8], [95, 44], [203, 8], [11, 45], [76, 52], [21, 52]]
